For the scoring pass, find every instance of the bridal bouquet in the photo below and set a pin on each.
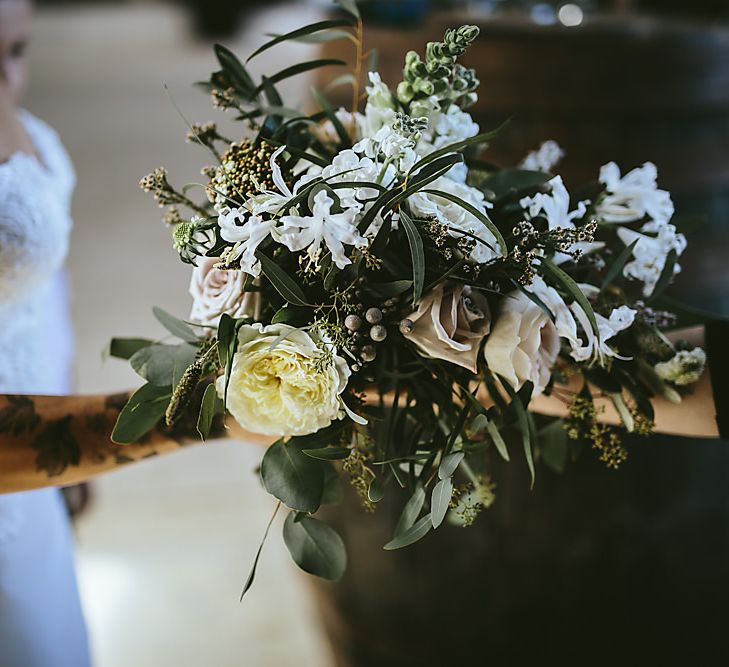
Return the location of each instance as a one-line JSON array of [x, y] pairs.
[[384, 303]]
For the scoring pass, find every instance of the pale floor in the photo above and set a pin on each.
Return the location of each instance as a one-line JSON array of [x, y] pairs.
[[164, 552]]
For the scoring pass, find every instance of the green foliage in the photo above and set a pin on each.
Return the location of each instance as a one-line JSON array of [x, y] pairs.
[[296, 479], [141, 414], [315, 547]]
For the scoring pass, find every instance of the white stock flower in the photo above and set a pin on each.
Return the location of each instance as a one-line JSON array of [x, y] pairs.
[[277, 383], [246, 232], [218, 291], [380, 107], [650, 253], [544, 158], [524, 343], [684, 367], [445, 129], [633, 196], [456, 217], [332, 229], [393, 146]]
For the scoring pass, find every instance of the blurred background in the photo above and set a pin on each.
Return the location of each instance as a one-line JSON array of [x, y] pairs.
[[166, 545]]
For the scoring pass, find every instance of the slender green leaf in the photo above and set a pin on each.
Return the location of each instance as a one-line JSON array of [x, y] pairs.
[[296, 479], [328, 453], [523, 421], [666, 276], [299, 68], [284, 284], [319, 37], [233, 67], [315, 547], [176, 326], [480, 215], [226, 333], [301, 32], [145, 408], [417, 254], [552, 441], [288, 314], [458, 146], [336, 122], [252, 574], [617, 265], [572, 288], [411, 535], [393, 288], [439, 501]]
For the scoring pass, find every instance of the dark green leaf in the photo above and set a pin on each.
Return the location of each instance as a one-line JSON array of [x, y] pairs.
[[124, 348], [523, 421], [315, 547], [416, 253], [328, 453], [158, 363], [439, 501], [176, 326], [284, 284], [393, 288], [572, 288], [411, 535], [301, 32], [235, 70], [211, 405], [552, 441], [617, 265], [295, 315], [336, 122], [252, 575], [299, 68], [296, 479], [514, 181], [145, 408], [666, 276], [226, 333]]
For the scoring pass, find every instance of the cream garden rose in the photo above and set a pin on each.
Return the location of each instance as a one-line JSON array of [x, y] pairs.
[[524, 344], [450, 322], [275, 386], [215, 291]]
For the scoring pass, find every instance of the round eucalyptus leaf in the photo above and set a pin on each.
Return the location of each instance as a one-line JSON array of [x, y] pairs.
[[315, 547], [296, 479]]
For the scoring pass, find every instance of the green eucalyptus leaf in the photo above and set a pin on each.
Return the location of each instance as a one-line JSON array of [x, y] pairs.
[[411, 510], [294, 315], [141, 413], [553, 445], [233, 67], [394, 288], [666, 276], [523, 421], [416, 532], [296, 479], [252, 574], [210, 407], [322, 101], [159, 364], [315, 547], [176, 326], [449, 464], [439, 501]]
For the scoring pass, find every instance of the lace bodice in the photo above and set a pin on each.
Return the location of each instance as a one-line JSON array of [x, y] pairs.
[[35, 224]]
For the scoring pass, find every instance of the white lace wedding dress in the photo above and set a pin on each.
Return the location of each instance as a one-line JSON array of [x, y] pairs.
[[40, 617]]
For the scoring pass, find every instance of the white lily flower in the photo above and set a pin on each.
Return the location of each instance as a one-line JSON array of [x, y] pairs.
[[633, 196], [333, 229], [650, 253], [544, 158], [555, 207], [246, 232]]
